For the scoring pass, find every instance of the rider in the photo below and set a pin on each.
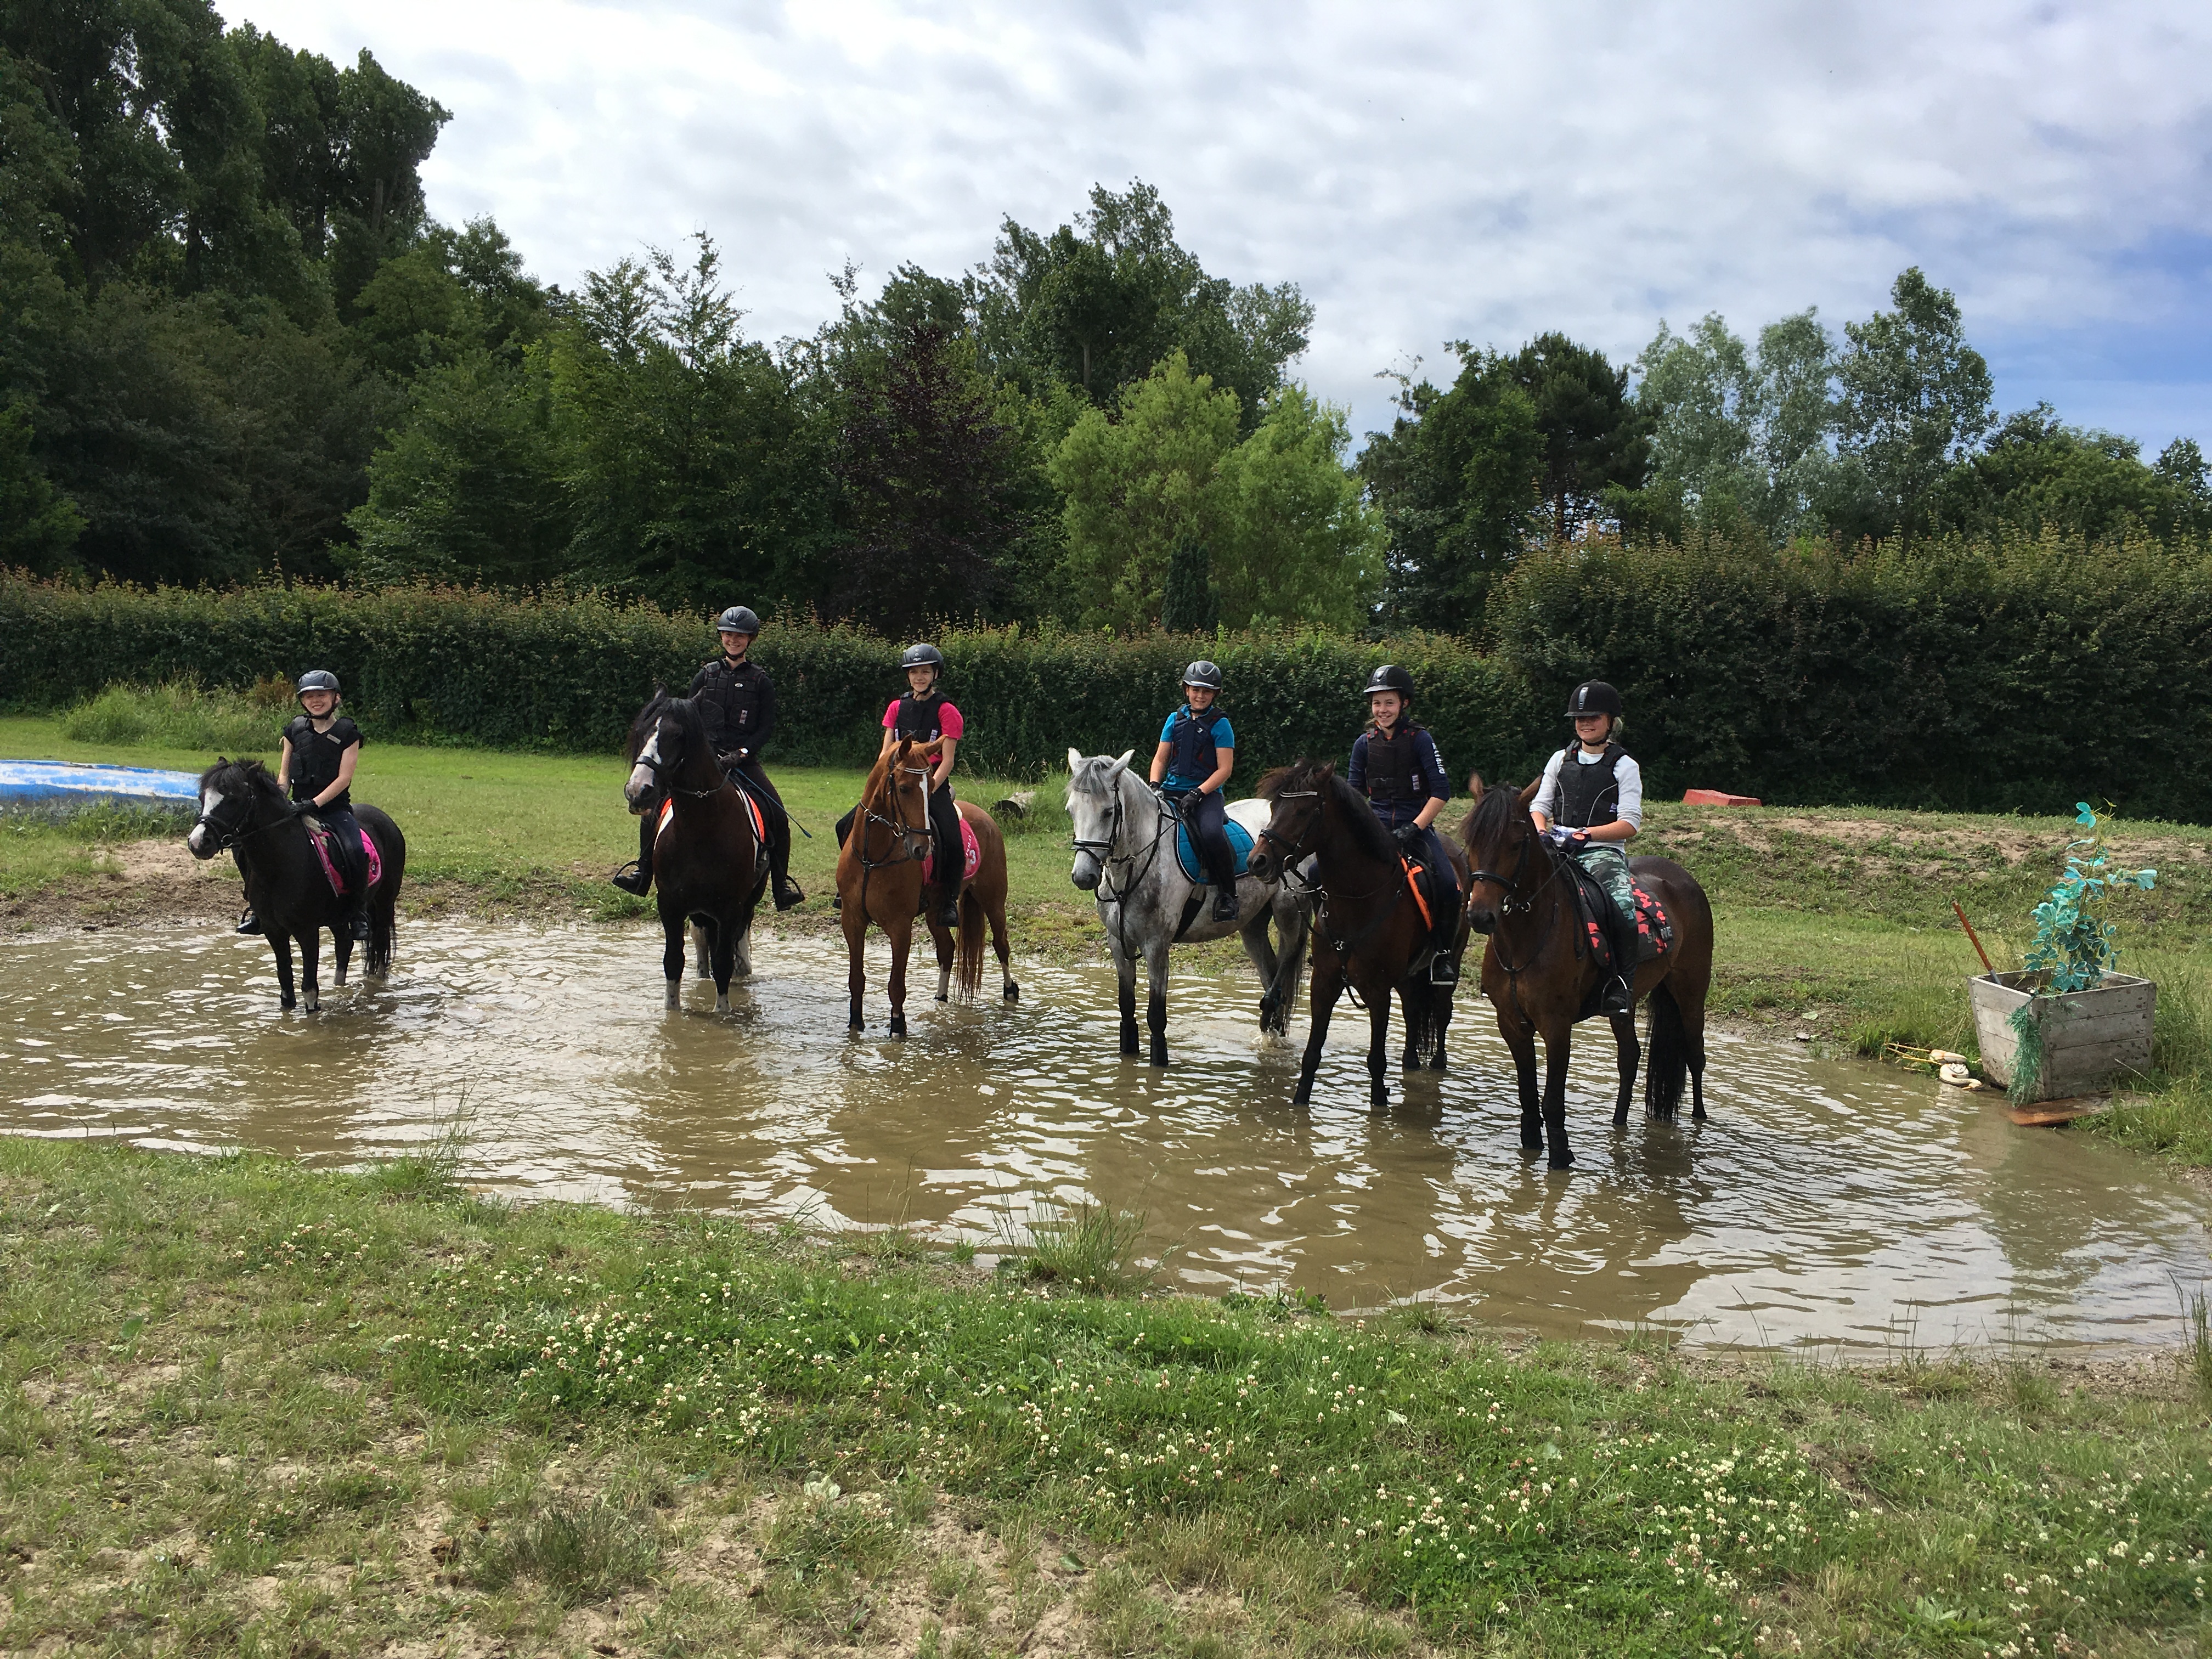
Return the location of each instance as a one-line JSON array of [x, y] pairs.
[[1394, 763], [738, 702], [321, 748], [925, 713], [1197, 752], [1592, 803]]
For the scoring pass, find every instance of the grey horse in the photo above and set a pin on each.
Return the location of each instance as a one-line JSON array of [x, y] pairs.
[[1125, 854]]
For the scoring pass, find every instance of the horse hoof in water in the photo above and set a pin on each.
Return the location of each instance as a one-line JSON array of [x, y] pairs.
[[898, 1025], [722, 1003], [1013, 993], [1566, 1163], [674, 995], [1532, 1140]]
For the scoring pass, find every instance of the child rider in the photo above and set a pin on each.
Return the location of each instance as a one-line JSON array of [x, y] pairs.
[[321, 748], [1394, 763], [1197, 752], [1592, 803]]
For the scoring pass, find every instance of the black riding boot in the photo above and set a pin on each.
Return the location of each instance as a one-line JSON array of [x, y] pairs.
[[950, 854], [635, 878], [778, 863], [358, 915], [1443, 971], [248, 923]]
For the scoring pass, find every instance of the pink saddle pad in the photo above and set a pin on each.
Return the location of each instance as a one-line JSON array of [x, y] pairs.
[[971, 862], [321, 838]]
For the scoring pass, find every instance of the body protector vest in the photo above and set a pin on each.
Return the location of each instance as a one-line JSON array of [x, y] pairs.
[[1394, 763], [735, 702], [1191, 753], [1589, 795], [918, 718], [316, 755]]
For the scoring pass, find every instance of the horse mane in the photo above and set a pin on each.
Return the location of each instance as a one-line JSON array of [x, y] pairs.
[[1368, 834], [1493, 814], [1092, 777], [684, 711], [256, 776], [647, 718]]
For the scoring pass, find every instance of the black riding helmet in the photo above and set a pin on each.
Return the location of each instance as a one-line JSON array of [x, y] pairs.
[[922, 656], [738, 619], [316, 679], [1593, 697], [1204, 673], [1390, 677]]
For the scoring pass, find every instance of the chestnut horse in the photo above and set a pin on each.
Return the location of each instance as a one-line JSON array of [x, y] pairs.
[[1539, 976], [880, 879], [1369, 932]]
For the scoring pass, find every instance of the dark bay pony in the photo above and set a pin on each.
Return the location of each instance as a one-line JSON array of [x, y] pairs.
[[243, 811], [710, 863], [880, 880], [1538, 972], [1369, 932]]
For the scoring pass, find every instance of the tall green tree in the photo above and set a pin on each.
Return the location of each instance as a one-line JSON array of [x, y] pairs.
[[1592, 433], [1093, 304], [1456, 483], [2036, 473], [1913, 400]]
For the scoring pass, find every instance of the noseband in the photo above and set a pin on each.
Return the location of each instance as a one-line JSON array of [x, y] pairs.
[[904, 836], [1510, 905], [226, 839], [659, 767]]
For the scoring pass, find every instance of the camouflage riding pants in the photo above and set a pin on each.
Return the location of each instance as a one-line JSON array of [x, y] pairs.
[[1608, 865]]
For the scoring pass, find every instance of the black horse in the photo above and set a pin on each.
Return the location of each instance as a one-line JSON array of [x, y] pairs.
[[710, 865], [244, 811]]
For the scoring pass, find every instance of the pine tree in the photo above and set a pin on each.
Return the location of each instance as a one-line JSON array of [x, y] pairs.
[[1188, 604]]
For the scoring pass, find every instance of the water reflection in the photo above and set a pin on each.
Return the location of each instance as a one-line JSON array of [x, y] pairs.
[[1824, 1203]]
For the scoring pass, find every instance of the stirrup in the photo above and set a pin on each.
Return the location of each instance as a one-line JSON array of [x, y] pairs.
[[631, 879], [788, 895], [1225, 904], [1443, 971], [359, 928], [248, 923], [1617, 998]]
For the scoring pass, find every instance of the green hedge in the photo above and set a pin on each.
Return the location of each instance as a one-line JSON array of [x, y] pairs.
[[570, 672], [2019, 675]]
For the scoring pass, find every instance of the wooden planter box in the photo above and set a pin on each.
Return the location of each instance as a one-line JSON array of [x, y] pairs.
[[2088, 1036]]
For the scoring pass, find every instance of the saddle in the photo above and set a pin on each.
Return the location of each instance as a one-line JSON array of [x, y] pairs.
[[338, 861], [1240, 848], [1435, 890], [752, 809], [971, 854], [1611, 943]]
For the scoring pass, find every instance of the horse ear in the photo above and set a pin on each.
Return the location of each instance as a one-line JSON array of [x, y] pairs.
[[1074, 760], [1474, 787], [1125, 757], [1530, 793]]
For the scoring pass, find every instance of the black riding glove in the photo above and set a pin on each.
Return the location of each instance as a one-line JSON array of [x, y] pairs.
[[300, 809], [1408, 835]]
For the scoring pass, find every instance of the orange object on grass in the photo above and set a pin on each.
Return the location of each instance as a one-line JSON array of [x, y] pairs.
[[1717, 798]]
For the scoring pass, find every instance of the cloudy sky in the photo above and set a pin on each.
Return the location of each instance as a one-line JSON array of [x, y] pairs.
[[1425, 172]]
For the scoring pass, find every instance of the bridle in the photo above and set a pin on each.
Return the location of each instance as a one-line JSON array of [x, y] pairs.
[[1293, 848], [1117, 892], [904, 836], [227, 840], [1509, 906], [650, 758]]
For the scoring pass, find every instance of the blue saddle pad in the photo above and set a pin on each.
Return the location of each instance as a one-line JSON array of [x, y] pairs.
[[1240, 848]]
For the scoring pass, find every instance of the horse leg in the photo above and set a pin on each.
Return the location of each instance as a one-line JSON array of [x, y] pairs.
[[901, 942], [1328, 986], [1629, 1055], [1291, 937], [311, 951], [722, 943], [1414, 1004], [1124, 975], [280, 946], [941, 937], [341, 952], [1254, 936], [1521, 1038], [1558, 1045], [1378, 1045], [996, 909], [1156, 1001], [672, 926], [741, 950], [856, 965], [1440, 1018], [702, 965]]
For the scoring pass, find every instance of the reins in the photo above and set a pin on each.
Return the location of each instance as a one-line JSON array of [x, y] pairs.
[[227, 840], [1342, 946], [1510, 907], [903, 834], [1102, 851]]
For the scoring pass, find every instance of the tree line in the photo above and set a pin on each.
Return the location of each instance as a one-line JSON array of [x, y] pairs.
[[235, 346]]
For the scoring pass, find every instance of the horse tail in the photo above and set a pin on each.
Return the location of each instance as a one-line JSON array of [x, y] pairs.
[[971, 943], [1667, 1057]]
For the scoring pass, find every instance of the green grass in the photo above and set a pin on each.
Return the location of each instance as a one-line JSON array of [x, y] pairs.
[[249, 1407]]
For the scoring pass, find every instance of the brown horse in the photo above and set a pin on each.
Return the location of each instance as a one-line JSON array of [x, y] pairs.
[[710, 865], [880, 879], [1539, 976], [1369, 931]]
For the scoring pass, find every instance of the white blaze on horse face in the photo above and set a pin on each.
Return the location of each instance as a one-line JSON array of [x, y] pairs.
[[640, 775], [211, 798]]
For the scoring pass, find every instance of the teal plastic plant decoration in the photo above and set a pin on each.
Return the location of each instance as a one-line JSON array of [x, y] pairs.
[[2075, 944]]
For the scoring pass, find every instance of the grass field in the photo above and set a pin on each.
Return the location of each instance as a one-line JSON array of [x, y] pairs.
[[1835, 922], [247, 1408]]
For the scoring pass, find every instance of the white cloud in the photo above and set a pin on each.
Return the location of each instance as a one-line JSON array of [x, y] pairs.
[[1425, 172]]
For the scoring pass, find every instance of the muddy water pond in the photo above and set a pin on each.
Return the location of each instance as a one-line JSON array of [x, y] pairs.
[[1836, 1204]]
